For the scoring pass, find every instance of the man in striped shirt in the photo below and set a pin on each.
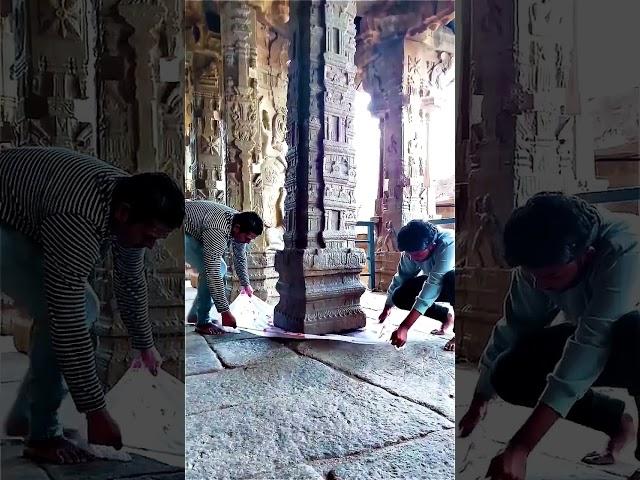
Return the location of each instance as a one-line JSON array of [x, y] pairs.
[[209, 229], [60, 212]]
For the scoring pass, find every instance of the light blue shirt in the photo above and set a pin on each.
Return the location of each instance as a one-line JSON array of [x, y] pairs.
[[441, 261], [609, 290]]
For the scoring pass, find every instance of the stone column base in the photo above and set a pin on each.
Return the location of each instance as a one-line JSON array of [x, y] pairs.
[[320, 290], [262, 275]]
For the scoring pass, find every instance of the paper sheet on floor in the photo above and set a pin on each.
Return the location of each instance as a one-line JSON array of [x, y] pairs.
[[255, 316], [149, 411]]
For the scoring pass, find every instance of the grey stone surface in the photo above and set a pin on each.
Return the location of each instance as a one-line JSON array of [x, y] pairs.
[[276, 380], [15, 466], [246, 352], [109, 470], [430, 458], [199, 358], [293, 472], [474, 456], [229, 337], [13, 366], [422, 372], [340, 417]]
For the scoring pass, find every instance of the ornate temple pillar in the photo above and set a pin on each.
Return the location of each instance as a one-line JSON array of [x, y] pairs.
[[319, 268], [516, 133], [404, 75], [205, 60], [255, 49], [140, 112]]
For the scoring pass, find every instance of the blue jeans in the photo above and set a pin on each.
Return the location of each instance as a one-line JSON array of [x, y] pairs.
[[43, 387], [194, 255]]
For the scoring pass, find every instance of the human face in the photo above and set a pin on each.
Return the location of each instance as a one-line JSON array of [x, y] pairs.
[[242, 237], [422, 255], [142, 235], [137, 234], [559, 278]]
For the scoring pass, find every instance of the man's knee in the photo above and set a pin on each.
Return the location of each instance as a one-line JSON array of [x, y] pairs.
[[401, 300], [504, 381]]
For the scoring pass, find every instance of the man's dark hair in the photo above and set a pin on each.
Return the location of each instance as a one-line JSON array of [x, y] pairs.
[[152, 197], [248, 222], [550, 229], [416, 235]]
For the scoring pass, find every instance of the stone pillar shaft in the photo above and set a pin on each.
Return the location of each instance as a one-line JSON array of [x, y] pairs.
[[319, 268]]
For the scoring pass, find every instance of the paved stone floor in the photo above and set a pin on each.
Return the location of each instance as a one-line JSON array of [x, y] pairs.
[[558, 455], [264, 409], [145, 465]]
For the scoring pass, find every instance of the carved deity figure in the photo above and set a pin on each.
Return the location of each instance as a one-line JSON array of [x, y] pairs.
[[274, 166], [442, 74], [388, 242], [486, 242]]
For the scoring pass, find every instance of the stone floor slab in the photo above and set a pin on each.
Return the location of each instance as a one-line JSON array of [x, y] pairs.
[[281, 378], [15, 466], [110, 470], [329, 423], [13, 366], [430, 458], [199, 358], [422, 372], [473, 457], [293, 472], [248, 352]]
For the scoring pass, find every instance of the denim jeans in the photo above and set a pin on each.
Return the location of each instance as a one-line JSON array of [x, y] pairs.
[[43, 387], [194, 255]]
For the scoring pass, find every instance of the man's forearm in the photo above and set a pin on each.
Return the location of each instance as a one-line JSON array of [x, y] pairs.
[[535, 428], [410, 319]]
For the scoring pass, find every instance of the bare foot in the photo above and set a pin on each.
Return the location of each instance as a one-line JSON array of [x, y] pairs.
[[446, 326], [450, 346], [56, 450], [616, 443], [209, 329]]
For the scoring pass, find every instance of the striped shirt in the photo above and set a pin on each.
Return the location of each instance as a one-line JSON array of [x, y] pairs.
[[210, 223], [62, 200]]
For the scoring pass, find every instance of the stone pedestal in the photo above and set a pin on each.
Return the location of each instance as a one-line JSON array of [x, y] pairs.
[[319, 268]]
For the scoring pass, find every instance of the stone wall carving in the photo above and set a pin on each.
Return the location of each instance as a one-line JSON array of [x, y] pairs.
[[319, 267], [106, 79], [517, 126]]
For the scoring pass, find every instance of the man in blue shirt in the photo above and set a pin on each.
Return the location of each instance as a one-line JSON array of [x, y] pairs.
[[583, 261], [430, 251]]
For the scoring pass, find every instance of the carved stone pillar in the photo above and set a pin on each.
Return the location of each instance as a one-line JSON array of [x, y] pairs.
[[141, 129], [319, 268], [238, 22], [205, 55], [404, 75], [8, 86], [516, 131]]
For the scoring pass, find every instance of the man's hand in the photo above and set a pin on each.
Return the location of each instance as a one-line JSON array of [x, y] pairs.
[[228, 320], [102, 429], [399, 337], [247, 290], [477, 411], [150, 358], [510, 464], [385, 313]]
